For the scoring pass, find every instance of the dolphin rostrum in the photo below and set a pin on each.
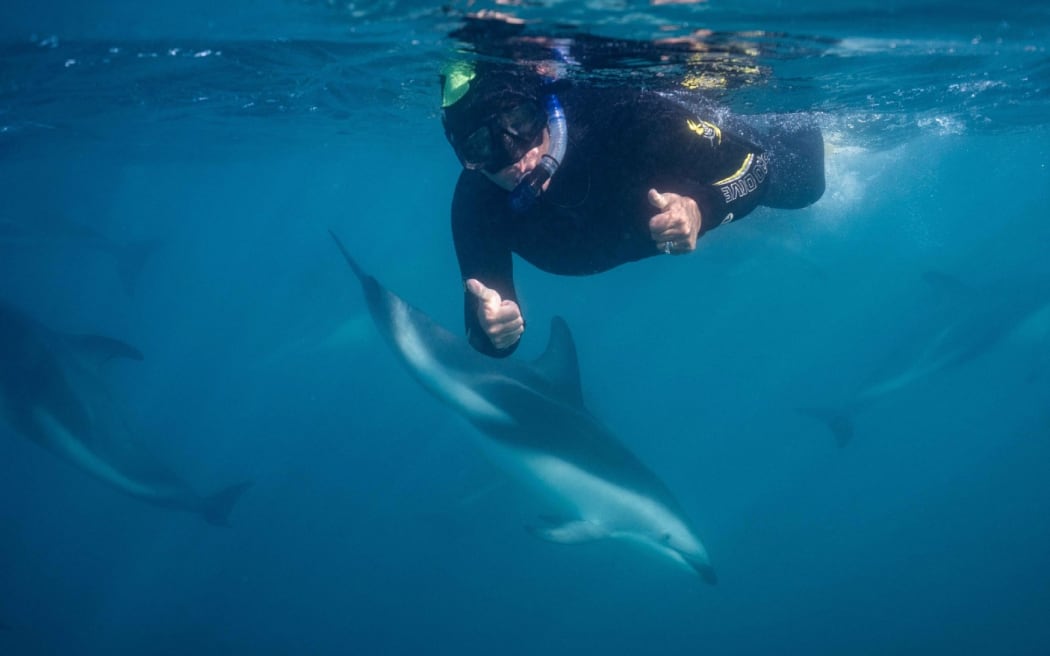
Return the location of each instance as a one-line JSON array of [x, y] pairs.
[[51, 392], [538, 428]]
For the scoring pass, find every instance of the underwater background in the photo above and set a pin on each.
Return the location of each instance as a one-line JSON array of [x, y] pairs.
[[169, 173]]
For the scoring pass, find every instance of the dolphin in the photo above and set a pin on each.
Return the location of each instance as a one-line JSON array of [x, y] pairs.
[[967, 323], [533, 422], [316, 339], [51, 392], [46, 228]]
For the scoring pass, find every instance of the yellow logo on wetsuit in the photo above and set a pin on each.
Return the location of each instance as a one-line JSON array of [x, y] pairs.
[[706, 130]]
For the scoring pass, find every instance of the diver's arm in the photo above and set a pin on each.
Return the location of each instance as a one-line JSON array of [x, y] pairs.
[[491, 314], [725, 174]]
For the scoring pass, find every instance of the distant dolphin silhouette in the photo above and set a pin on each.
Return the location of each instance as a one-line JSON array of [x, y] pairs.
[[51, 392], [970, 322], [45, 228], [538, 428]]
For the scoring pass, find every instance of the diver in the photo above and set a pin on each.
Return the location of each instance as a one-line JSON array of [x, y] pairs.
[[578, 178]]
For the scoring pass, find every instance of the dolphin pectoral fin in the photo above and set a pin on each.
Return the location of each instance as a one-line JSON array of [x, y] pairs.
[[216, 508], [838, 421], [98, 350], [577, 531]]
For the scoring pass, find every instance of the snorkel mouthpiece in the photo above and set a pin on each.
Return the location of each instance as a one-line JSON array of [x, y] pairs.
[[528, 191]]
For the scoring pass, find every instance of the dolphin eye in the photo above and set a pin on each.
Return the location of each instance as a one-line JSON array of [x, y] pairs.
[[665, 538]]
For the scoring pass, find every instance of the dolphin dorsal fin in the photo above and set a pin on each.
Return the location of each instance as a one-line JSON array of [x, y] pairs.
[[559, 365], [98, 350]]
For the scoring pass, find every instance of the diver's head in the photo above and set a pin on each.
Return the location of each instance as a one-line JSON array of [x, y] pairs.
[[492, 119]]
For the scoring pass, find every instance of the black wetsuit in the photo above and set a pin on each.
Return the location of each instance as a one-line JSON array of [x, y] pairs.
[[595, 213]]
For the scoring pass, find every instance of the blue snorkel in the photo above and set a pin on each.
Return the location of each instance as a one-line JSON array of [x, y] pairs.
[[528, 191], [524, 195]]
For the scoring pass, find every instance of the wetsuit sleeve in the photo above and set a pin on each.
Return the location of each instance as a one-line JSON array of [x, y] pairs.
[[479, 230], [724, 173]]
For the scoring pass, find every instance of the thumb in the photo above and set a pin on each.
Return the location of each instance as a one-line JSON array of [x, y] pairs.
[[487, 296], [657, 200]]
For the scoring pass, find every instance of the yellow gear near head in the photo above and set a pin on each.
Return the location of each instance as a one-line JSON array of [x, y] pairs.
[[457, 77]]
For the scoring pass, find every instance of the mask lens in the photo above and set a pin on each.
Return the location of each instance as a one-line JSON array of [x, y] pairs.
[[476, 150], [503, 139], [523, 122]]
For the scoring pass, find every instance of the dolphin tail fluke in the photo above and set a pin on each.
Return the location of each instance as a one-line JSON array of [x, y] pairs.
[[216, 508], [131, 259], [838, 420]]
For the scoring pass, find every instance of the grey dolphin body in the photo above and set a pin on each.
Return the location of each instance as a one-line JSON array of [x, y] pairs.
[[51, 392], [967, 322], [537, 427]]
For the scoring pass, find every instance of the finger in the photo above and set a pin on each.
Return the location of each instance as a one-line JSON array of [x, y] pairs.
[[507, 320], [657, 200], [505, 342], [669, 235], [662, 225], [503, 335], [488, 297], [506, 336], [506, 312], [507, 316]]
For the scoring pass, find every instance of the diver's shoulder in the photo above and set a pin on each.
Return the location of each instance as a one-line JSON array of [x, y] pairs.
[[604, 96]]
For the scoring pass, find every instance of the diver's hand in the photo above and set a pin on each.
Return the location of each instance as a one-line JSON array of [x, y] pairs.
[[501, 320], [676, 227]]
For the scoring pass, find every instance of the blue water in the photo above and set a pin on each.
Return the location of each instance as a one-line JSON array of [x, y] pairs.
[[234, 134]]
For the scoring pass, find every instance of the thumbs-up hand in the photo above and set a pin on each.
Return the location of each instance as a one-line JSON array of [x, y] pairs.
[[500, 319], [676, 226]]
